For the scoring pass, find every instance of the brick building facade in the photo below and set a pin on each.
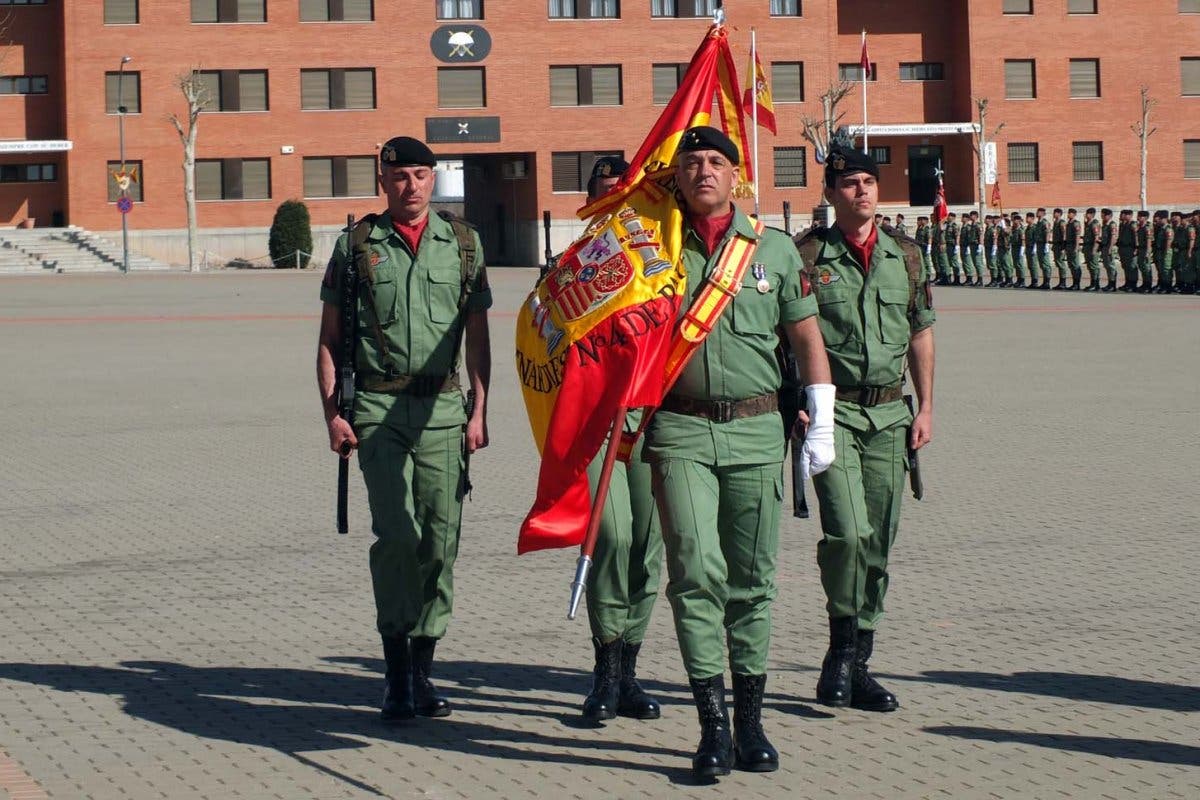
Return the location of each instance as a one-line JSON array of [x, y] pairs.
[[303, 92]]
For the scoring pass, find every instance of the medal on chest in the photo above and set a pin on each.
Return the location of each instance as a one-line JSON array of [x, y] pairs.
[[759, 271]]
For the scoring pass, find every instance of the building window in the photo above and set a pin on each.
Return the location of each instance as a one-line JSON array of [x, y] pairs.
[[1020, 79], [459, 9], [595, 85], [122, 91], [23, 84], [1191, 159], [785, 8], [1189, 69], [1081, 6], [234, 90], [882, 155], [1085, 77], [1023, 162], [337, 89], [791, 168], [337, 10], [229, 11], [22, 2], [1018, 6], [569, 171], [665, 80], [27, 173], [682, 8], [340, 176], [461, 87], [787, 81], [1088, 161], [853, 72], [922, 71], [585, 9], [135, 187], [233, 179], [1189, 6], [120, 12]]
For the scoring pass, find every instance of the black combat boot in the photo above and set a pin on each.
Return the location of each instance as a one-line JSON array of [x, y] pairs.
[[398, 680], [714, 754], [837, 670], [633, 700], [1076, 279], [426, 699], [754, 752], [601, 704], [867, 694], [1033, 284]]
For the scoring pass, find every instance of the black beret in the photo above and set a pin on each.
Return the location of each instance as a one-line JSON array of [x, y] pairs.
[[1128, 211], [609, 167], [1143, 213], [405, 151], [1072, 211], [845, 161], [1106, 211], [704, 137], [1056, 211]]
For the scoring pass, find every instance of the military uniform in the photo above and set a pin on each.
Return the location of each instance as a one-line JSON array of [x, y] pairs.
[[1182, 258], [867, 319], [938, 237], [953, 242], [1127, 252], [1145, 254], [1017, 245], [900, 229], [1191, 259], [988, 242], [969, 249], [1041, 248], [924, 239], [1072, 253], [1164, 254], [1091, 250], [1108, 251], [1058, 247], [1002, 256]]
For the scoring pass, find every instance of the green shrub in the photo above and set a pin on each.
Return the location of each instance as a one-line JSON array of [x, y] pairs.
[[291, 230]]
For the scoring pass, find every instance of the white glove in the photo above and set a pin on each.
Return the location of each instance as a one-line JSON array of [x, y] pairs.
[[817, 453], [978, 249], [928, 249], [1046, 249], [993, 252]]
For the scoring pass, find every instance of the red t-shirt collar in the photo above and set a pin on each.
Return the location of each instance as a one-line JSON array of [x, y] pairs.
[[411, 234], [862, 252], [711, 229]]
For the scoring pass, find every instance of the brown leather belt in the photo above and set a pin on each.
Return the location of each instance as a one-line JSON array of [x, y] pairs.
[[416, 385], [722, 410], [868, 396]]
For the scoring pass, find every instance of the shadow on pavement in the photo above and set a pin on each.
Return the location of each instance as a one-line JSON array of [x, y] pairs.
[[298, 711], [1072, 686], [1139, 749]]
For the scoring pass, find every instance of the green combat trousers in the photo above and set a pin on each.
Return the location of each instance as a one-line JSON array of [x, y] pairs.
[[721, 531], [415, 490], [623, 583], [927, 265], [970, 265], [1164, 260], [859, 498], [1129, 264], [1046, 259], [1018, 263], [1145, 266], [1109, 258], [1091, 260]]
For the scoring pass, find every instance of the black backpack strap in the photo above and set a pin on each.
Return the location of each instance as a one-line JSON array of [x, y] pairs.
[[361, 254]]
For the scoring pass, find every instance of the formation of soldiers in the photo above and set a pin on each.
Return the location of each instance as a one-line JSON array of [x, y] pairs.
[[1130, 253]]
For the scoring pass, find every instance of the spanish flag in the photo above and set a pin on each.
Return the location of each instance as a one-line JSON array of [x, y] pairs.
[[760, 92], [597, 332]]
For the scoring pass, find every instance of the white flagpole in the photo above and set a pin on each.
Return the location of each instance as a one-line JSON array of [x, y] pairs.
[[864, 92], [754, 108]]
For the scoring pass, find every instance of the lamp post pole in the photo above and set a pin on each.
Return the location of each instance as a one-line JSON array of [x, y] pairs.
[[121, 136]]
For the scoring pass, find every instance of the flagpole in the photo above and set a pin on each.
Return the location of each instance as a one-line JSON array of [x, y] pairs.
[[865, 68], [754, 108]]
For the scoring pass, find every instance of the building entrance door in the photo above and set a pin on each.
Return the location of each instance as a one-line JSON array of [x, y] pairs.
[[922, 178]]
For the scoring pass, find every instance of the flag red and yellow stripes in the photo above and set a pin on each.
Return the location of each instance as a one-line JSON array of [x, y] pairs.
[[759, 92]]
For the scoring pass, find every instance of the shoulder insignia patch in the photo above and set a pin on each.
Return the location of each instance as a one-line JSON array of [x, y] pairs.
[[377, 258], [826, 277]]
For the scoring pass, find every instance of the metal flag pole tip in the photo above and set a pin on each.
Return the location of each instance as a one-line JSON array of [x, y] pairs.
[[582, 567]]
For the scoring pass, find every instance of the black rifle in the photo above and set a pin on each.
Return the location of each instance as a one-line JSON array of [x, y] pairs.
[[345, 382], [914, 460], [791, 403], [551, 261], [466, 450]]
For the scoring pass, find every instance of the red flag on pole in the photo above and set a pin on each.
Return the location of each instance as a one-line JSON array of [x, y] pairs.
[[940, 208], [760, 91], [865, 61], [996, 196]]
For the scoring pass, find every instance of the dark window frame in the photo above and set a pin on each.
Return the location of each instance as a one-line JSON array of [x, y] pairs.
[[21, 170], [1098, 157], [459, 4], [229, 5], [1032, 78], [774, 83], [855, 68], [1034, 159], [343, 161], [917, 67], [225, 184], [580, 175], [1027, 13], [800, 151], [799, 12], [587, 89], [682, 9]]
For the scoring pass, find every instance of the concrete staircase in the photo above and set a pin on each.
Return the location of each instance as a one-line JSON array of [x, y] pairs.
[[69, 249]]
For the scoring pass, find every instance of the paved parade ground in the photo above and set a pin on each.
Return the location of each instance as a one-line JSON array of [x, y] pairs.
[[181, 621]]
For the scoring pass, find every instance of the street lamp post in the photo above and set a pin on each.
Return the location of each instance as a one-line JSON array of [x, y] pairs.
[[121, 135]]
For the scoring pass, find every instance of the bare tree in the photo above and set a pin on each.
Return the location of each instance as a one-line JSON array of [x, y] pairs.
[[979, 140], [1143, 131], [197, 96], [819, 132], [6, 22]]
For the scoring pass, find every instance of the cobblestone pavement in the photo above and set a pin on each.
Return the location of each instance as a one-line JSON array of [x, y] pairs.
[[181, 621]]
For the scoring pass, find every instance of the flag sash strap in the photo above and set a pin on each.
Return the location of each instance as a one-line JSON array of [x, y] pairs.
[[720, 286]]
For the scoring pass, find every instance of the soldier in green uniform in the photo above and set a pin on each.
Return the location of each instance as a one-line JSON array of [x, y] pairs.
[[1016, 241], [422, 288], [1192, 233], [901, 227], [988, 243], [1003, 252], [876, 313], [623, 583], [1182, 257], [1072, 251], [1164, 251], [968, 246], [1127, 250], [1145, 252], [716, 449], [923, 237], [953, 245], [1058, 239], [1108, 248], [938, 236], [1041, 241]]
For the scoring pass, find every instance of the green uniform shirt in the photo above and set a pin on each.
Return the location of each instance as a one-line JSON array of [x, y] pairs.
[[1108, 234], [867, 322], [416, 304], [1126, 234], [921, 235], [737, 360], [952, 234], [1071, 233], [1041, 231], [1144, 238], [1017, 237]]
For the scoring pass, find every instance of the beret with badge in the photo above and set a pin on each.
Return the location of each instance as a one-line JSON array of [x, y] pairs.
[[405, 151], [704, 137], [846, 161]]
